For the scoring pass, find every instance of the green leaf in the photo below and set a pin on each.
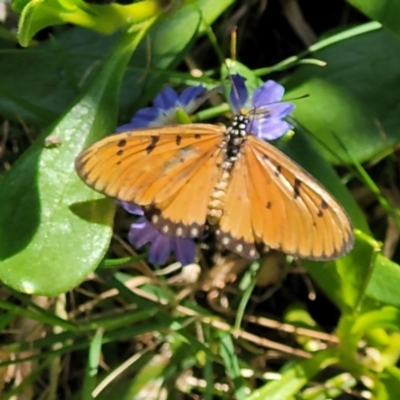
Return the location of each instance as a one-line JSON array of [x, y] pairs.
[[385, 282], [105, 19], [294, 377], [384, 11], [387, 317], [73, 55], [388, 385], [92, 365], [228, 354], [53, 229], [353, 105]]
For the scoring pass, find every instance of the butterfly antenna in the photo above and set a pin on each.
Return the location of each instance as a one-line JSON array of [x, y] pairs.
[[233, 45], [303, 96]]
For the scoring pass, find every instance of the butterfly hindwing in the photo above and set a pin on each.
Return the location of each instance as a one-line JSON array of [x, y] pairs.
[[184, 214], [235, 231]]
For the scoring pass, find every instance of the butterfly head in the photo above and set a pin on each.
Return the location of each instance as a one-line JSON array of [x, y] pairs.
[[264, 111]]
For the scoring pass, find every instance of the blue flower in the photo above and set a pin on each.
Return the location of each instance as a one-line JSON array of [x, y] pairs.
[[164, 108], [141, 231], [161, 246], [267, 108]]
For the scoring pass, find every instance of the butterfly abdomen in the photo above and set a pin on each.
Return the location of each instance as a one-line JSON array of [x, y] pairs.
[[218, 197]]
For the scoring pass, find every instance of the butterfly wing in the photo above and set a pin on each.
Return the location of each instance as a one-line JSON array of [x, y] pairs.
[[273, 201], [170, 170]]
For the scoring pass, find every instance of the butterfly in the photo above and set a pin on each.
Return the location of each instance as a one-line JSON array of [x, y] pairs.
[[189, 177]]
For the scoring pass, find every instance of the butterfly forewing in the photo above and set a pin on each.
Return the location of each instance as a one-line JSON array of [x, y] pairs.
[[171, 170], [290, 211], [325, 231]]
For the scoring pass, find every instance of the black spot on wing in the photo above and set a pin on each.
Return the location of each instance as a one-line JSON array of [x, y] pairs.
[[120, 152], [269, 205], [296, 187], [178, 140], [324, 206], [197, 136], [153, 144], [121, 143]]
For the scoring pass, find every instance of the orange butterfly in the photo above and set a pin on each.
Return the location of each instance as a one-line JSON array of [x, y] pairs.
[[191, 176]]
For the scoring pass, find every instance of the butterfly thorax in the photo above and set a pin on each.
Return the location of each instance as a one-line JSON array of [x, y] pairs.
[[235, 136]]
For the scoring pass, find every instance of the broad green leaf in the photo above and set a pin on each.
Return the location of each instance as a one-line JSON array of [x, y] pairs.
[[53, 229], [68, 59], [384, 11], [353, 105], [385, 282], [346, 279]]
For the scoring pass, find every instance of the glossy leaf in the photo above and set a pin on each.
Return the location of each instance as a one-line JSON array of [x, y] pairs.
[[353, 105], [53, 229], [384, 11]]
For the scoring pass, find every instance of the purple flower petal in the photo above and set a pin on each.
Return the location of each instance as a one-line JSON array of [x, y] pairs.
[[185, 250], [160, 249], [281, 110], [161, 246], [189, 97], [238, 94], [132, 208], [270, 129], [168, 98], [141, 119], [268, 93], [141, 232]]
